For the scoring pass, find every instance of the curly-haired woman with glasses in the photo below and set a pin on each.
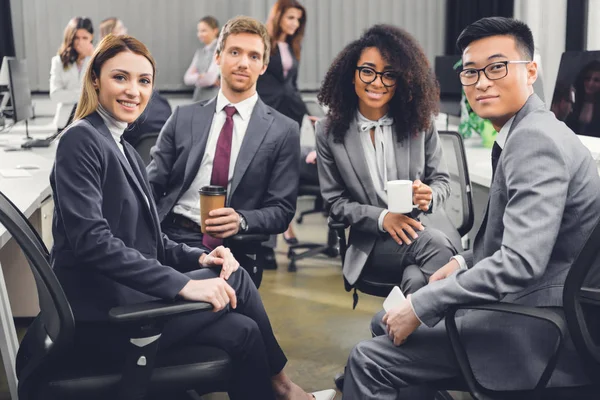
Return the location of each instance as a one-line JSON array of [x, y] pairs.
[[382, 97]]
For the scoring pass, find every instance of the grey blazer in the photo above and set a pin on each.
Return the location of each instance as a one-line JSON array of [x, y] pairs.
[[347, 186], [264, 186], [544, 201]]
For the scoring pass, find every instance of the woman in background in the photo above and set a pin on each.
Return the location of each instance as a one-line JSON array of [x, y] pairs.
[[278, 87], [112, 25], [585, 118], [68, 68], [198, 74]]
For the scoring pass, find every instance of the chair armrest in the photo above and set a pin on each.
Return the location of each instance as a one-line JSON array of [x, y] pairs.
[[547, 315], [246, 238], [335, 225], [155, 311]]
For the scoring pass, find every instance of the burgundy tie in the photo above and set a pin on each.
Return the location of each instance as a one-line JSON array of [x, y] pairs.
[[220, 170]]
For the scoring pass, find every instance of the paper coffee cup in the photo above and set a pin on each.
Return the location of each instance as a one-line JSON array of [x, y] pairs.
[[211, 198]]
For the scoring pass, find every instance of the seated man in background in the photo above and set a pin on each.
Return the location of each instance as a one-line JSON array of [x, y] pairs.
[[234, 141], [152, 119], [544, 202]]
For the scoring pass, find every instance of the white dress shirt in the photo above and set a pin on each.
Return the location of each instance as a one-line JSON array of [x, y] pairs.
[[189, 204]]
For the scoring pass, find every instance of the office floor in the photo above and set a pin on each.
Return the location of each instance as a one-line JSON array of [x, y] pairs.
[[310, 311]]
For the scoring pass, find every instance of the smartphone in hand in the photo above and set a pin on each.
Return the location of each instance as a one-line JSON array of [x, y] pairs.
[[394, 299]]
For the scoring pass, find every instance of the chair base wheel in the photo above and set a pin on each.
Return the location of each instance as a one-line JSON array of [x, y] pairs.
[[299, 220], [292, 267], [339, 381]]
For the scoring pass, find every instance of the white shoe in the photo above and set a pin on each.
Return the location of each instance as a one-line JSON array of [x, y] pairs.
[[328, 394]]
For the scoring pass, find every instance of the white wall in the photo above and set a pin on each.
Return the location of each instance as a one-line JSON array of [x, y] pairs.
[[168, 28], [547, 20], [593, 25]]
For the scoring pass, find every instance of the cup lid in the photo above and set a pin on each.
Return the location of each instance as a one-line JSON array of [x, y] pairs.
[[212, 190]]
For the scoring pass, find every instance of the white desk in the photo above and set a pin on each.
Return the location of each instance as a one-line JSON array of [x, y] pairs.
[[29, 195]]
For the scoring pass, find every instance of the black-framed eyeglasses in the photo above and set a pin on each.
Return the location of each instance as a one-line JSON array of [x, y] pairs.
[[494, 71], [369, 75]]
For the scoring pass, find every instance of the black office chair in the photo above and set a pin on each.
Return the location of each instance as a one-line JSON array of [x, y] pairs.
[[143, 145], [581, 305], [49, 367], [458, 216], [330, 249]]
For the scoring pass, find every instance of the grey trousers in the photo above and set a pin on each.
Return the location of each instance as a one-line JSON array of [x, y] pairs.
[[413, 264], [377, 369]]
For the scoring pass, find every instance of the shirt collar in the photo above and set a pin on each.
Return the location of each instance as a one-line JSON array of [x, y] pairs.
[[244, 107], [503, 134]]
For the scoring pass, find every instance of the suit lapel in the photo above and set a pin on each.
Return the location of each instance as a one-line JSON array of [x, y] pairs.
[[533, 103], [259, 124], [275, 64], [199, 130], [96, 120], [356, 155]]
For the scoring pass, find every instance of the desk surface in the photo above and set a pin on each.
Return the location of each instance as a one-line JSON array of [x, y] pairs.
[[480, 165], [27, 193]]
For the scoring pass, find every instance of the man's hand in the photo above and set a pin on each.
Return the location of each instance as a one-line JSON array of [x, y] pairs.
[[223, 223], [445, 271], [311, 158], [220, 257], [400, 227], [214, 291], [401, 322], [422, 195]]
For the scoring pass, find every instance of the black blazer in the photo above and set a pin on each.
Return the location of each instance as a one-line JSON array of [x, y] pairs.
[[108, 247], [265, 179], [281, 92]]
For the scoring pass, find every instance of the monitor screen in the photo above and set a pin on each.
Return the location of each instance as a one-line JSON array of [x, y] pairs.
[[20, 94], [576, 97], [450, 87]]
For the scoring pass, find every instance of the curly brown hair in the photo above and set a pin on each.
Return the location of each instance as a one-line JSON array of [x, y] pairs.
[[416, 99]]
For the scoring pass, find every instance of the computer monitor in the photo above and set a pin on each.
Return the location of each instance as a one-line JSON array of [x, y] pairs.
[[450, 87], [576, 98], [20, 93]]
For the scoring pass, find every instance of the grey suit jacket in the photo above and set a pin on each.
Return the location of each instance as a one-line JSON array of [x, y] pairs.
[[544, 202], [264, 186], [347, 186]]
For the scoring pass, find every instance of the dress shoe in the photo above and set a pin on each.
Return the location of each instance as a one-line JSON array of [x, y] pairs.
[[291, 240], [328, 394]]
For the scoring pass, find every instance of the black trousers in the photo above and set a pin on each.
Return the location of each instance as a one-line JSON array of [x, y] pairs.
[[244, 333], [194, 239]]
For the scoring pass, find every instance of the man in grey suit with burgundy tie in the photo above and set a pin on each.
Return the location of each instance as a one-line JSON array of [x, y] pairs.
[[544, 202], [234, 141]]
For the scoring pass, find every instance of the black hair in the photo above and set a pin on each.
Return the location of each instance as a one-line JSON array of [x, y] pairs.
[[416, 99], [497, 26]]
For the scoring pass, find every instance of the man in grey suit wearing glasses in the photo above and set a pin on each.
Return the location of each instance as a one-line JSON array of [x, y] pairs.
[[544, 202]]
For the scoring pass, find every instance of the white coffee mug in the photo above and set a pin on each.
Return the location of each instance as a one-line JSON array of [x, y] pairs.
[[400, 195]]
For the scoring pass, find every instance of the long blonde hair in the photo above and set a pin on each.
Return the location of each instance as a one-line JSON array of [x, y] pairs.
[[109, 47], [66, 51]]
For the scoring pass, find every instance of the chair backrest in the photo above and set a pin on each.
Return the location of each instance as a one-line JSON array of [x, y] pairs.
[[55, 312], [459, 206], [581, 303], [144, 144], [314, 108]]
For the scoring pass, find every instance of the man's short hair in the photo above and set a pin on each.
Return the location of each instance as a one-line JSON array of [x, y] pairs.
[[495, 26], [243, 24]]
